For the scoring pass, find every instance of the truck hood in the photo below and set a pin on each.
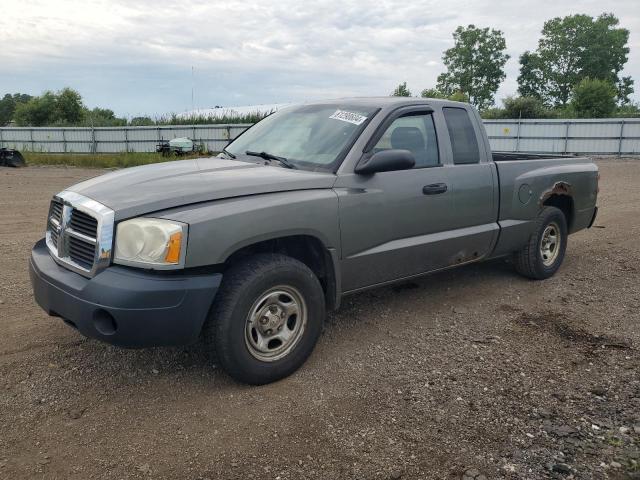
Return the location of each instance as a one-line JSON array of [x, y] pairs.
[[150, 188]]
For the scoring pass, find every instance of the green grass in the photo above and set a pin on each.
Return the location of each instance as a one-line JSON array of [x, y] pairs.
[[102, 160]]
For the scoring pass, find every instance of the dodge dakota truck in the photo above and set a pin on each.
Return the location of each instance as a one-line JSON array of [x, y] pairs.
[[249, 249]]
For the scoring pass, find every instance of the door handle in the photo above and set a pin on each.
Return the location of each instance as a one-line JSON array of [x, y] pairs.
[[434, 188]]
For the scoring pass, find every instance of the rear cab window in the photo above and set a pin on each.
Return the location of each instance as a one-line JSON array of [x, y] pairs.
[[464, 142]]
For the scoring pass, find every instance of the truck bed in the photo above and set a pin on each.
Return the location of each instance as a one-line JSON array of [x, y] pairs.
[[511, 156], [527, 180]]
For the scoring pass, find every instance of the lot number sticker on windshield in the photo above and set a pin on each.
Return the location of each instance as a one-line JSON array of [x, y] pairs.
[[349, 117]]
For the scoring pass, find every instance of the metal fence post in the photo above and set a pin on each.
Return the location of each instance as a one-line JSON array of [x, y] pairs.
[[64, 140], [1, 140], [31, 138], [518, 136], [566, 136], [621, 138], [94, 148], [126, 139]]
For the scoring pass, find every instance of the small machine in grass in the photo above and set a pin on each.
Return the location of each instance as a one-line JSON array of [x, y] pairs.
[[11, 158], [177, 147]]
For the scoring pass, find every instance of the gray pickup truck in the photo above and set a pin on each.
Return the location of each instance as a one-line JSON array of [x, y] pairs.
[[250, 248]]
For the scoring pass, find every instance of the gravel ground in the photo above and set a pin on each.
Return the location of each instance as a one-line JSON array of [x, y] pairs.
[[472, 373]]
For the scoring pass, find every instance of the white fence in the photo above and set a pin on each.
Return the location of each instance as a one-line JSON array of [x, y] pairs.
[[602, 136], [114, 139], [617, 136]]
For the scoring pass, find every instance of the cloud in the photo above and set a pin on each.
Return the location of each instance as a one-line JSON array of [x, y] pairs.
[[136, 57]]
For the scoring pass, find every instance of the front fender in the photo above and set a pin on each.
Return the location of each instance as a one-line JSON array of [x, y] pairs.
[[217, 229]]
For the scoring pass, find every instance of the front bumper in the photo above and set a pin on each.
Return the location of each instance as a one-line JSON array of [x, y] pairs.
[[124, 306]]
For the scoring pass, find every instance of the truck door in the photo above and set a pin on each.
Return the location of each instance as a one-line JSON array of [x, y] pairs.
[[473, 182], [394, 224]]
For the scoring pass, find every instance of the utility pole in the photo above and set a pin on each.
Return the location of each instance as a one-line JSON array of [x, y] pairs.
[[192, 88]]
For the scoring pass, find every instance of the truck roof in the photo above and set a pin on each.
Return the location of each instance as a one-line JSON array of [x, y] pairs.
[[389, 102]]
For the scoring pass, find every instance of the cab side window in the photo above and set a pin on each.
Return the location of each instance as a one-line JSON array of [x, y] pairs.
[[415, 133], [463, 137]]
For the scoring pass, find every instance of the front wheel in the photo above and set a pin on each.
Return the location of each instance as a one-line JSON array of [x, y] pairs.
[[542, 256], [266, 319]]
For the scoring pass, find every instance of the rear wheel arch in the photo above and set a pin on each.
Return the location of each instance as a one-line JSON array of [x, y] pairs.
[[563, 201]]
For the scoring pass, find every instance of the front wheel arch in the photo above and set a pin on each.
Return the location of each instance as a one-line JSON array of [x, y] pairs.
[[308, 249]]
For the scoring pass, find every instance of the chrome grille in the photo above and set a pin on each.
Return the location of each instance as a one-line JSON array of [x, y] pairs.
[[80, 233], [53, 223], [84, 224]]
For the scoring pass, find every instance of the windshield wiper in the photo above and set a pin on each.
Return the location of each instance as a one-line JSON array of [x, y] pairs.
[[228, 153], [269, 156]]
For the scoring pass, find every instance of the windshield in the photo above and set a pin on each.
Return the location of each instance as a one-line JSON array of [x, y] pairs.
[[314, 137]]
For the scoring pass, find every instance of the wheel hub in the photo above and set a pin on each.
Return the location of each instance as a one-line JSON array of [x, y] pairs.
[[271, 319], [550, 244], [275, 323]]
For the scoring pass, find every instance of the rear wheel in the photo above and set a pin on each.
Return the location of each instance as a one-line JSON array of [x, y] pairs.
[[542, 256], [267, 318]]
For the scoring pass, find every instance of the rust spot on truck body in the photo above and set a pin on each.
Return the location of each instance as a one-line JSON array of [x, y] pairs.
[[559, 188]]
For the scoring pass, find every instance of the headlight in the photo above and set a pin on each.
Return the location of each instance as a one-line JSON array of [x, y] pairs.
[[151, 243]]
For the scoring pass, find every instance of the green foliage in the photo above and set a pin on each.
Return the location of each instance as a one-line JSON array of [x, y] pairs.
[[141, 122], [521, 107], [475, 65], [66, 108], [525, 107], [69, 109], [102, 117], [8, 106], [593, 98], [630, 110], [61, 108], [456, 96], [432, 93], [625, 89], [493, 113], [210, 120], [573, 48], [38, 111], [459, 96], [401, 91]]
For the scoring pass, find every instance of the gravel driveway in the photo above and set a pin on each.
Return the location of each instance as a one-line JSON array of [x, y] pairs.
[[472, 373]]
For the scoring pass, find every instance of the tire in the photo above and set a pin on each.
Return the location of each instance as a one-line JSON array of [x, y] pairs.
[[534, 260], [266, 318]]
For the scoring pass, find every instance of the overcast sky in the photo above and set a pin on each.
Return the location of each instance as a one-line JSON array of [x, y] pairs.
[[136, 56]]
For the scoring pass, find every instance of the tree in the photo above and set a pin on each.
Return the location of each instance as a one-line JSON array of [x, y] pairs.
[[459, 96], [64, 107], [456, 96], [524, 107], [401, 91], [8, 106], [432, 93], [593, 98], [573, 48], [475, 64], [102, 117], [69, 107], [141, 122], [625, 88], [530, 78], [38, 111]]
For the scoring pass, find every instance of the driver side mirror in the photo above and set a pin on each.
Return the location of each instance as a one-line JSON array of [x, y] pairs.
[[387, 161]]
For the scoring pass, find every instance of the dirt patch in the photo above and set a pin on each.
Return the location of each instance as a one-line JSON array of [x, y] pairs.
[[560, 325]]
